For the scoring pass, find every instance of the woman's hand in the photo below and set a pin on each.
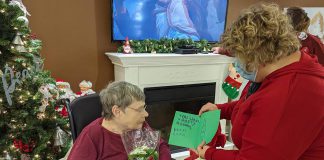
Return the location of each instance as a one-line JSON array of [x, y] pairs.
[[218, 50], [207, 107], [202, 148]]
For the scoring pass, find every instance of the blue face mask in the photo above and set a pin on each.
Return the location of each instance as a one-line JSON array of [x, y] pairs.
[[251, 76]]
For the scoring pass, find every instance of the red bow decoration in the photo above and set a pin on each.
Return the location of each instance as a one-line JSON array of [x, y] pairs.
[[63, 112]]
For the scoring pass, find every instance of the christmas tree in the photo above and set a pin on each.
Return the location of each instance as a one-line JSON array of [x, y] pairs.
[[30, 127]]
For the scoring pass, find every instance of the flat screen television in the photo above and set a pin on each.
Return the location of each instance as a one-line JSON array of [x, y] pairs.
[[156, 19]]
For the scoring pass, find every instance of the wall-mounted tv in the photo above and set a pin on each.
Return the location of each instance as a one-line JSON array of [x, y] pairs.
[[156, 19]]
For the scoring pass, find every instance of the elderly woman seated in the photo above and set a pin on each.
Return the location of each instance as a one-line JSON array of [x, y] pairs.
[[123, 107]]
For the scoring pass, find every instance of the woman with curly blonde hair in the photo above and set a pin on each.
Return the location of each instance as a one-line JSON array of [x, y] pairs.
[[284, 118]]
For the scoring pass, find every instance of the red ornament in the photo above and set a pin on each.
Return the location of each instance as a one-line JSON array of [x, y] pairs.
[[62, 111], [17, 143]]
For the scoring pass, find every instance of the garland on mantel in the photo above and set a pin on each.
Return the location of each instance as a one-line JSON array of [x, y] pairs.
[[165, 45]]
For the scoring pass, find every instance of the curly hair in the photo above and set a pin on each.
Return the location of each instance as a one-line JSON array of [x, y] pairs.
[[262, 34], [298, 18]]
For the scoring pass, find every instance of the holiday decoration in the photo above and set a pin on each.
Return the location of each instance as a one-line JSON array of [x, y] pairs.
[[18, 43], [60, 137], [50, 94], [20, 5], [164, 45], [65, 93], [24, 147], [85, 88], [23, 19], [25, 157], [65, 89], [7, 156], [28, 120], [126, 47], [232, 83], [62, 110]]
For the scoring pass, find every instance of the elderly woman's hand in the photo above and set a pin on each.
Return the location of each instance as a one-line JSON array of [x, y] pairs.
[[202, 148], [207, 107]]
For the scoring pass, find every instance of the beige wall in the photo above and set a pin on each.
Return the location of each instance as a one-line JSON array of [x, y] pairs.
[[76, 34]]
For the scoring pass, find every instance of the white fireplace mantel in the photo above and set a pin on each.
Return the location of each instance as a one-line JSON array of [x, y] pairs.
[[156, 70]]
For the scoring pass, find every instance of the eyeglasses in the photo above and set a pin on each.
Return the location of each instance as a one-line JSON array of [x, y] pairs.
[[139, 109]]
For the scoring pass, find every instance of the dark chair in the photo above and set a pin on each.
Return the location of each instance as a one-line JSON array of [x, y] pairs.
[[82, 111]]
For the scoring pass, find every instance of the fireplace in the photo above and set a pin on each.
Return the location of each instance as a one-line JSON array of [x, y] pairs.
[[164, 101], [172, 81]]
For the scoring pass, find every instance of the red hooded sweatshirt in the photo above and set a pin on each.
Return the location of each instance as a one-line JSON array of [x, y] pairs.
[[315, 46], [282, 120]]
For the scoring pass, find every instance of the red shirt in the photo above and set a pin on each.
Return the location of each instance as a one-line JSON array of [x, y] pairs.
[[97, 143], [282, 120], [315, 46]]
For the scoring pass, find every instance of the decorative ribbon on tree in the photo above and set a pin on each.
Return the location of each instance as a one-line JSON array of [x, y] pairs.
[[232, 83]]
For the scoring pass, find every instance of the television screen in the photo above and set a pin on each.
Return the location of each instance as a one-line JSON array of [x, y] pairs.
[[156, 19]]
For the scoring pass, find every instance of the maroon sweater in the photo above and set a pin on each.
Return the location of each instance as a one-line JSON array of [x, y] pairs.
[[315, 46], [97, 143], [282, 120]]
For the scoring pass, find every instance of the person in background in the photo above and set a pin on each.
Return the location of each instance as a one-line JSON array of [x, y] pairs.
[[300, 21], [280, 120], [123, 107]]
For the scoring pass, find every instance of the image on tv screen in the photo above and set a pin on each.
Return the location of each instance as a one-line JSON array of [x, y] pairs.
[[156, 19]]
